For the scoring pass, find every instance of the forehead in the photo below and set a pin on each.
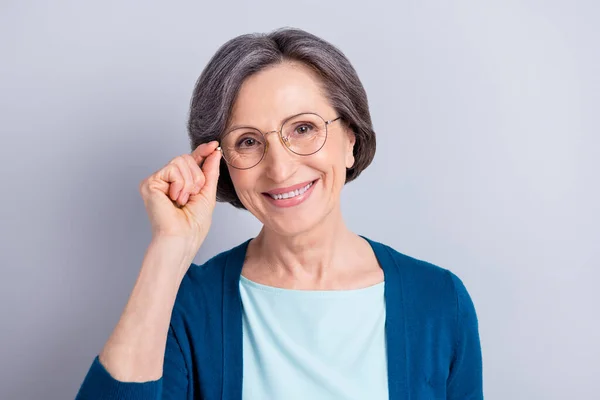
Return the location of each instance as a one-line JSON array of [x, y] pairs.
[[269, 96]]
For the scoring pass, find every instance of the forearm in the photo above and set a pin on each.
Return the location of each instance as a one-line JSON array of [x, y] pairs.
[[136, 348]]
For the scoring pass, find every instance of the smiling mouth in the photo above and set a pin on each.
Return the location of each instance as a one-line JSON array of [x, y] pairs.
[[291, 194]]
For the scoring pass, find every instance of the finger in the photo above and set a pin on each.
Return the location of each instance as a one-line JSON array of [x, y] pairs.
[[172, 176], [210, 168], [177, 187], [197, 175], [203, 151], [188, 180]]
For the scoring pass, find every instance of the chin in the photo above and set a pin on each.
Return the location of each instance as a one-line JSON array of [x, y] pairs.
[[304, 220], [293, 224]]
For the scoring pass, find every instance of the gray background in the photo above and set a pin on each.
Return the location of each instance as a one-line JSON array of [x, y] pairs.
[[487, 164]]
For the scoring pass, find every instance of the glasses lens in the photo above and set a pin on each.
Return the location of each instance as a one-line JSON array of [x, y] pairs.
[[243, 147], [305, 134]]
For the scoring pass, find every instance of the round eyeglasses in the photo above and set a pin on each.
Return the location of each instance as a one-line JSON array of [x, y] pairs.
[[303, 134]]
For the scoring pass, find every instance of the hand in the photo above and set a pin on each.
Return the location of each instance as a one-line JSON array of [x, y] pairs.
[[180, 198]]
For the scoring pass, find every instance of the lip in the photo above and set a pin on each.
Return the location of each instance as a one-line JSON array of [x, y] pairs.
[[293, 201], [289, 188]]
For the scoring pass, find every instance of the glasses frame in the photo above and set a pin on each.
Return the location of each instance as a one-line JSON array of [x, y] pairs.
[[283, 140]]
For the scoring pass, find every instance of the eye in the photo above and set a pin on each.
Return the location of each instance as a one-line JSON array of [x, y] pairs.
[[247, 142], [303, 129]]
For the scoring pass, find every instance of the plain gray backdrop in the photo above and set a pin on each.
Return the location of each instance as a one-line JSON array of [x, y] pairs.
[[487, 164]]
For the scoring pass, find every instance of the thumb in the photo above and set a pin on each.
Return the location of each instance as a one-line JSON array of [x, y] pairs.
[[210, 168]]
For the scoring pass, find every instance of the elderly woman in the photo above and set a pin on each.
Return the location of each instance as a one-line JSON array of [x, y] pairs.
[[307, 309]]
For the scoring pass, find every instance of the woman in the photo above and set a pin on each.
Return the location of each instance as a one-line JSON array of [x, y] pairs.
[[307, 309]]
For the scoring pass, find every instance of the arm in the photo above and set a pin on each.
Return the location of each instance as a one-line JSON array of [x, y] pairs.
[[179, 199], [99, 384], [130, 365], [465, 381]]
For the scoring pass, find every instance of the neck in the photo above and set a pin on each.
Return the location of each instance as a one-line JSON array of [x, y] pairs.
[[312, 256]]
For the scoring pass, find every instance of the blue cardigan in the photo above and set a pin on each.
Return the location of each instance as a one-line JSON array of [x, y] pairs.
[[432, 336]]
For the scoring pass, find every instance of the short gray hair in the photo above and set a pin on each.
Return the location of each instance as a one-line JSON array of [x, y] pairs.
[[217, 87]]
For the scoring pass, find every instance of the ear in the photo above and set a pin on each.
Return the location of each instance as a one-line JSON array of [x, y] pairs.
[[351, 141]]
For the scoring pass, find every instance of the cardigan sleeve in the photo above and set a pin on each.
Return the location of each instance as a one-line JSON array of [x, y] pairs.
[[465, 381], [100, 385]]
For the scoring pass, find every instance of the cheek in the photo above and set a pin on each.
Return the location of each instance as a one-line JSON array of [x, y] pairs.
[[332, 163], [338, 155], [243, 182]]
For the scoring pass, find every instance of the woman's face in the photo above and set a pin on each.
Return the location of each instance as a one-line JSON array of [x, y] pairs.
[[264, 101]]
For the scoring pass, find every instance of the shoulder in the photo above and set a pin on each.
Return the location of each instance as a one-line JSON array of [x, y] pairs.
[[196, 325], [422, 283], [204, 283]]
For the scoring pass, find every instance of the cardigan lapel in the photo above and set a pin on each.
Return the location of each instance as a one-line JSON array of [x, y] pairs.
[[232, 324], [395, 323]]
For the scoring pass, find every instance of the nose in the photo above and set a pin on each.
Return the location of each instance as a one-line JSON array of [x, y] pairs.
[[279, 162]]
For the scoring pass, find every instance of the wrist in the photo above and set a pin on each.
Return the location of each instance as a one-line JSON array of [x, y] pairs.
[[172, 255]]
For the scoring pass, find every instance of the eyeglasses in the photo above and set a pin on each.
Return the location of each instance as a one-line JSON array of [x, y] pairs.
[[303, 134]]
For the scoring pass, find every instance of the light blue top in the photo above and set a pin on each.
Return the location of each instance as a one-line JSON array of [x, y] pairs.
[[303, 344]]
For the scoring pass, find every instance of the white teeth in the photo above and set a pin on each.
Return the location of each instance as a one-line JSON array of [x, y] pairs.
[[291, 194]]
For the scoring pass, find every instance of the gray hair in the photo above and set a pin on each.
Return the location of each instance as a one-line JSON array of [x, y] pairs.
[[217, 87]]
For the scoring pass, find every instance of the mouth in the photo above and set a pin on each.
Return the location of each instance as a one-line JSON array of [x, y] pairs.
[[290, 196]]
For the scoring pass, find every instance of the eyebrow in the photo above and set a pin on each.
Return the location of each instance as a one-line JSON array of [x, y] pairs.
[[231, 128]]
